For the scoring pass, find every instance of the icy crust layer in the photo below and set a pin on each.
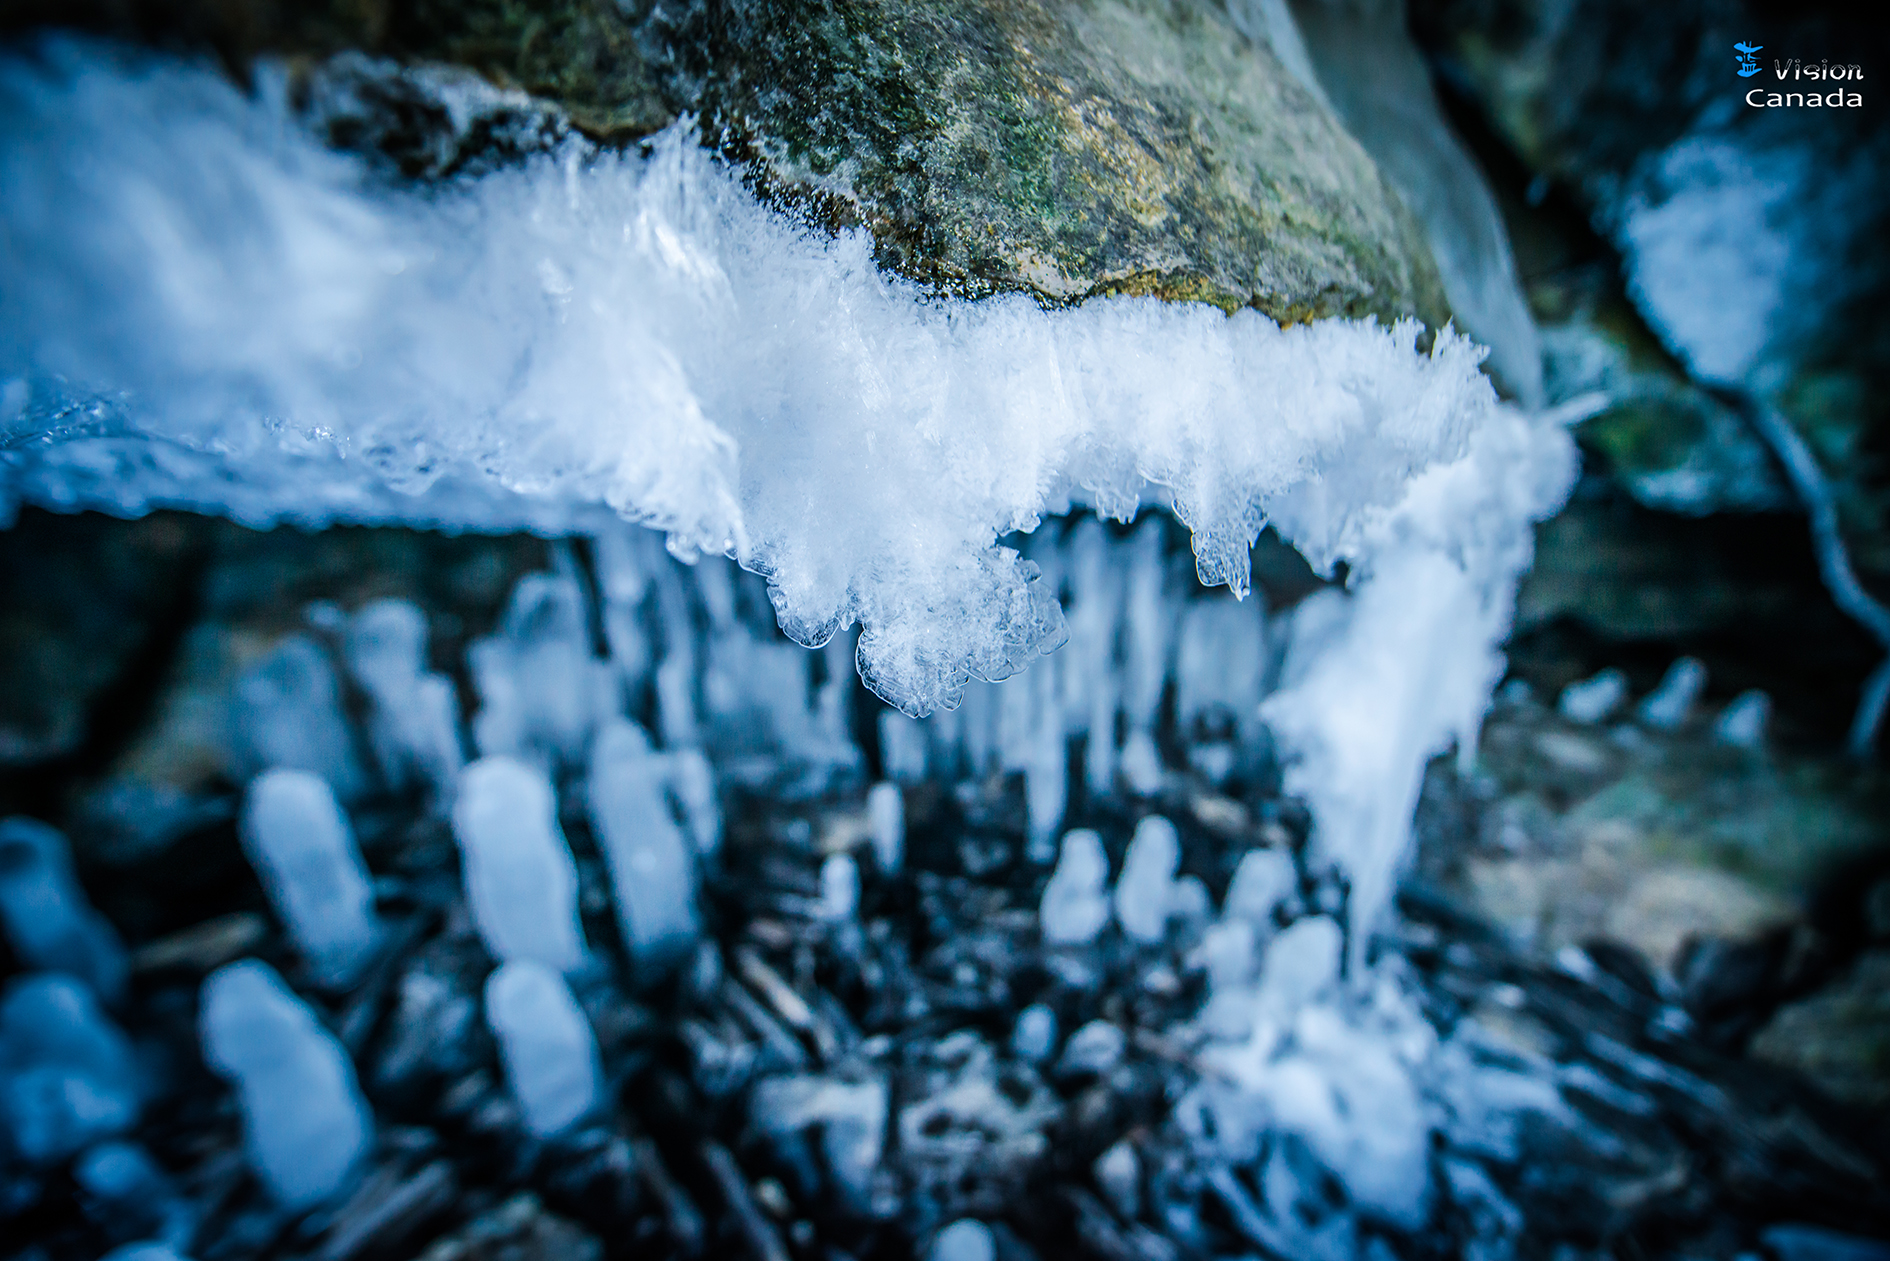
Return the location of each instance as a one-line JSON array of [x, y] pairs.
[[206, 309]]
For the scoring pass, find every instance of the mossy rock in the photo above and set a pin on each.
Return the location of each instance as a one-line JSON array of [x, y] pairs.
[[1062, 149]]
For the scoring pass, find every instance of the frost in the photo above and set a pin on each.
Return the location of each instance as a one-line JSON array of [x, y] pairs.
[[306, 345]]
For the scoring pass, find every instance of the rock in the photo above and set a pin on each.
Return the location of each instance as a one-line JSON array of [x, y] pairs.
[[518, 1230], [1840, 1036], [1141, 147]]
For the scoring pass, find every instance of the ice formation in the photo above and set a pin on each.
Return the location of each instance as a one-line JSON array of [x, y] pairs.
[[549, 1051], [306, 1126], [1744, 720], [966, 1239], [839, 888], [1593, 699], [303, 848], [122, 1184], [414, 725], [289, 704], [1263, 879], [49, 923], [1075, 904], [886, 817], [1145, 892], [560, 340], [67, 1077], [540, 689], [521, 881], [1670, 704], [652, 864], [1034, 1036]]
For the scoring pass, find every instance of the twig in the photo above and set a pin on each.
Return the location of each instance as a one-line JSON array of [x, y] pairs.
[[1834, 560], [763, 1238]]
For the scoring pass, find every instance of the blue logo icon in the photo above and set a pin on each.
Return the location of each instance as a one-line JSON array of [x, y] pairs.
[[1748, 59]]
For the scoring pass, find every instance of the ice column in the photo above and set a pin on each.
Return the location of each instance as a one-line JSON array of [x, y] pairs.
[[298, 840], [1074, 907], [520, 879], [549, 1051], [48, 920], [291, 716], [67, 1078], [540, 689], [1087, 663], [1263, 880], [415, 726], [1145, 894], [839, 888], [886, 817], [693, 781], [652, 865], [305, 1124], [1148, 629]]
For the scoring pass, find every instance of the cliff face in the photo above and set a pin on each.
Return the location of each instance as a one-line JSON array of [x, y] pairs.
[[1058, 149]]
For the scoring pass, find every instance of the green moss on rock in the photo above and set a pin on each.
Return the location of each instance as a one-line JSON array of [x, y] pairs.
[[1063, 148]]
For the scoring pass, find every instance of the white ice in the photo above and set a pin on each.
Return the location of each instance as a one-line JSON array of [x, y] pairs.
[[652, 864], [289, 714], [521, 881], [306, 1126], [1743, 722], [67, 1076], [550, 1054], [1593, 699], [1263, 879], [541, 692], [851, 1114], [886, 819], [839, 888], [595, 333], [1034, 1036], [966, 1239], [1075, 905], [1669, 705], [49, 922], [1145, 892], [414, 728], [302, 846]]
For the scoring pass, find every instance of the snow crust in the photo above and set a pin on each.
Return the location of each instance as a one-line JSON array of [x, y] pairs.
[[212, 311]]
